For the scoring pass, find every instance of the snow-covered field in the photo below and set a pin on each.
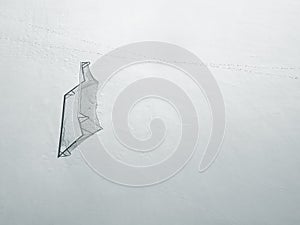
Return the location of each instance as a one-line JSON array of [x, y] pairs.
[[251, 47]]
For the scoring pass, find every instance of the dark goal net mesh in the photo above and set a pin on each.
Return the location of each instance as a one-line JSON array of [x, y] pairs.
[[79, 118]]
